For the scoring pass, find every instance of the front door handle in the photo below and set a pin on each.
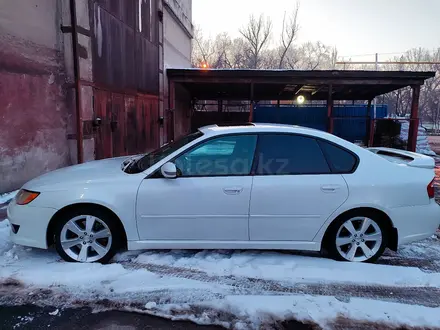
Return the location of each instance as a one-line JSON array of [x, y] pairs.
[[233, 190], [330, 188]]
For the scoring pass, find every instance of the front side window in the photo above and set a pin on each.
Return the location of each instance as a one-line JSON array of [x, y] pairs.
[[283, 154], [226, 155], [157, 155]]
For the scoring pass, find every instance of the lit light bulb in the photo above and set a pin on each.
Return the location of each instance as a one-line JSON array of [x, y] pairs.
[[300, 99]]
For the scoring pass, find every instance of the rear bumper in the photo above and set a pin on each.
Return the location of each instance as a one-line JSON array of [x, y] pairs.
[[415, 223], [29, 224]]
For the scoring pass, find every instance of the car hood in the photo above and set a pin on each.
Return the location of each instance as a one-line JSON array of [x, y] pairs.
[[86, 173]]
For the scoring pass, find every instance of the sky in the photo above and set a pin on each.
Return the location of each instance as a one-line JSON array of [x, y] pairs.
[[355, 27]]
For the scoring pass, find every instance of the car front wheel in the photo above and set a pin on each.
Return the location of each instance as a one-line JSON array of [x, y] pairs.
[[359, 238], [86, 236]]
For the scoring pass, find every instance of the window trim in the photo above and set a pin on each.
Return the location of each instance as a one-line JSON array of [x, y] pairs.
[[317, 139], [158, 175]]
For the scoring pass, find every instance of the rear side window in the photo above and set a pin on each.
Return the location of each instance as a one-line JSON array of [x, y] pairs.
[[340, 160], [281, 154]]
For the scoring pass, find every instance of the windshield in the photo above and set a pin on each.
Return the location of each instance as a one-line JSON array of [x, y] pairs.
[[167, 149]]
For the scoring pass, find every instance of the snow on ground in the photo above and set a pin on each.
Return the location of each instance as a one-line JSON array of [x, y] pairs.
[[295, 269], [422, 145], [240, 290], [5, 198]]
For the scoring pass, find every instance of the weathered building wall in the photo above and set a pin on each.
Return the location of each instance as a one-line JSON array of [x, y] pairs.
[[178, 31], [177, 34], [122, 55], [126, 89], [182, 114], [33, 108]]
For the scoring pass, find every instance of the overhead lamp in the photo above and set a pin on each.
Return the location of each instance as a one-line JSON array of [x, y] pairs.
[[300, 99]]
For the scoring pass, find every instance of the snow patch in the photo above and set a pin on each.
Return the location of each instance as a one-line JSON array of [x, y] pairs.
[[422, 145], [23, 321], [150, 305], [289, 267], [5, 198], [54, 313], [322, 309], [220, 299]]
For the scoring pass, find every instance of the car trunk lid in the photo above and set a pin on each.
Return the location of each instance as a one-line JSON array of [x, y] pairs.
[[404, 157]]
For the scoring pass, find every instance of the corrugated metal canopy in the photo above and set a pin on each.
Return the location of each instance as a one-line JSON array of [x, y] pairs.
[[240, 84]]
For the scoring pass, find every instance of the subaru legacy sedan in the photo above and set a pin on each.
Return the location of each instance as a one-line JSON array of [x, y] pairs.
[[254, 186]]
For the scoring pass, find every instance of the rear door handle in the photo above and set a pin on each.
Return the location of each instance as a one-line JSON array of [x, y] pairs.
[[232, 190], [330, 188]]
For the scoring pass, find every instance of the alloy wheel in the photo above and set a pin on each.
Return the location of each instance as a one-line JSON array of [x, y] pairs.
[[86, 238], [359, 239]]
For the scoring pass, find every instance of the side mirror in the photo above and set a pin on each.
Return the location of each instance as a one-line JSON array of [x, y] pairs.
[[169, 170]]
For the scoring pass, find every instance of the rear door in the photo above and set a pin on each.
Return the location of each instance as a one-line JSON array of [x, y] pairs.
[[295, 188]]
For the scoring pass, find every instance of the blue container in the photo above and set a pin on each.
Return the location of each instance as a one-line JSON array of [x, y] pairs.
[[350, 121]]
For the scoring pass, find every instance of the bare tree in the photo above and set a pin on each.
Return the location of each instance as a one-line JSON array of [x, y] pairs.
[[399, 102], [288, 34], [313, 56], [257, 33], [222, 46], [269, 59], [202, 49], [334, 57]]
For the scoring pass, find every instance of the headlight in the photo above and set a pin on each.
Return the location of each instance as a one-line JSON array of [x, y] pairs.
[[25, 196]]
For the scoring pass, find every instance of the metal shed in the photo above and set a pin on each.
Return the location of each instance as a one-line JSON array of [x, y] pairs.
[[226, 85]]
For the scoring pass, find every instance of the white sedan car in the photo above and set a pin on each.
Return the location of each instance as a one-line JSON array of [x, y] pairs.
[[255, 186]]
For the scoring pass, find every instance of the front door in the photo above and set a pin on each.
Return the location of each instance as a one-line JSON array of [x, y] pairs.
[[294, 189], [209, 200]]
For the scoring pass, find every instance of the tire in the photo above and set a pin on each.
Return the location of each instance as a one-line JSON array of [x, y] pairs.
[[87, 235], [364, 241]]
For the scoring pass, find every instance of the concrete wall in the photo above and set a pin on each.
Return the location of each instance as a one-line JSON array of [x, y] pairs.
[[177, 35], [33, 99], [178, 31], [37, 99]]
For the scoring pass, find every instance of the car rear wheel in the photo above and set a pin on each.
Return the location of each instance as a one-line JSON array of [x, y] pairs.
[[357, 238], [86, 236]]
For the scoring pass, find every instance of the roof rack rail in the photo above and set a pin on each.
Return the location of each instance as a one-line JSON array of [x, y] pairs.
[[236, 124]]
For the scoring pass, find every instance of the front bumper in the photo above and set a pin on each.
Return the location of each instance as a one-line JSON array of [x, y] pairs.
[[415, 223], [29, 224]]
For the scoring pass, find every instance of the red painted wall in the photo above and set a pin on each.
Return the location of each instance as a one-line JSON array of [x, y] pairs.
[[33, 112]]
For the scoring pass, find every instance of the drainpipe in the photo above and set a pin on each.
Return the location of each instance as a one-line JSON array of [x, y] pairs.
[[79, 120]]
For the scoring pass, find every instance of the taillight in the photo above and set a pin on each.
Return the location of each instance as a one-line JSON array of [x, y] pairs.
[[430, 189]]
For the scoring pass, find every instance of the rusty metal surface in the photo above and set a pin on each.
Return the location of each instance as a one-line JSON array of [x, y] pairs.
[[103, 137], [129, 124], [125, 55], [126, 76]]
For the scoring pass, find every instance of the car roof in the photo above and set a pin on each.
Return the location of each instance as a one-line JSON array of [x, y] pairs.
[[214, 130], [261, 128]]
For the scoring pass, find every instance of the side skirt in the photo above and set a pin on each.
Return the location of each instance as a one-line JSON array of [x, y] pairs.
[[227, 245]]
